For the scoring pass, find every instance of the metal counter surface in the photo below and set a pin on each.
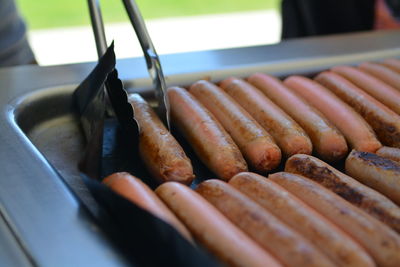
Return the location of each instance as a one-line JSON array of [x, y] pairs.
[[44, 222]]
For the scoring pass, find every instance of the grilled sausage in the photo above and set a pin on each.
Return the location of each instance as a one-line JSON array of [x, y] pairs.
[[161, 153], [289, 136], [139, 193], [327, 141], [383, 120], [380, 241], [367, 199], [336, 244], [392, 63], [355, 129], [389, 152], [382, 73], [205, 134], [379, 173], [288, 246], [383, 92], [212, 229], [256, 144]]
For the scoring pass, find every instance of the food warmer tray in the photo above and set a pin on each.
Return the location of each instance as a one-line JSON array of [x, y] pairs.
[[44, 221]]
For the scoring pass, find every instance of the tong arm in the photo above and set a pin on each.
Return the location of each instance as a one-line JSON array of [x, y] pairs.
[[152, 60]]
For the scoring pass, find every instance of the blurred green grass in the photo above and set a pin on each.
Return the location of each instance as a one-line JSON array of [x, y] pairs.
[[41, 14]]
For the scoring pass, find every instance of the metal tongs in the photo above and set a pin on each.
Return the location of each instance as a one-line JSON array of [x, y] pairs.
[[150, 54]]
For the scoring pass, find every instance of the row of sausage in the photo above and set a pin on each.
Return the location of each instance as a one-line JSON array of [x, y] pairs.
[[255, 123], [309, 215]]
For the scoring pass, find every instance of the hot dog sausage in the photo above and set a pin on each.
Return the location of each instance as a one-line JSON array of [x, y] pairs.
[[205, 134], [212, 229], [367, 199], [383, 92], [392, 63], [381, 242], [139, 193], [382, 73], [383, 120], [355, 129], [379, 173], [161, 153], [327, 141], [289, 136], [288, 246], [336, 244], [389, 152], [256, 144]]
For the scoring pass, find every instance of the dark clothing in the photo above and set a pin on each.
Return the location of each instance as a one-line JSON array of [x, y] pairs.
[[394, 6], [14, 47], [320, 17]]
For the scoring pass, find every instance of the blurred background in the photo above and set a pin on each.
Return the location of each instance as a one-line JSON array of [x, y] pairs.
[[60, 31]]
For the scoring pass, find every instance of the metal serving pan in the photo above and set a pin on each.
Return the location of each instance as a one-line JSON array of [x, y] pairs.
[[43, 221]]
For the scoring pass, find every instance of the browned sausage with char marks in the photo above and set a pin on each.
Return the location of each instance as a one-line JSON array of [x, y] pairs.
[[205, 134], [257, 146], [362, 196], [336, 244], [161, 153], [354, 128], [384, 121], [382, 72], [288, 246], [392, 153], [379, 173], [380, 241], [289, 136], [327, 141], [212, 229], [383, 92]]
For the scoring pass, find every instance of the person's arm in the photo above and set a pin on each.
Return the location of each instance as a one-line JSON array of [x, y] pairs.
[[14, 46]]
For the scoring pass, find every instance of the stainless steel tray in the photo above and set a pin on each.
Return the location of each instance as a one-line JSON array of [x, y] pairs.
[[41, 194]]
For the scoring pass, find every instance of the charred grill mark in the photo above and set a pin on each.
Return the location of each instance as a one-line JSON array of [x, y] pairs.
[[377, 161], [386, 131], [328, 179], [378, 212], [350, 195], [384, 217]]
